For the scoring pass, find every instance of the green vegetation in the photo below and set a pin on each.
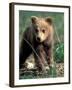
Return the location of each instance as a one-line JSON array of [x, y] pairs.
[[59, 53], [32, 75], [58, 19]]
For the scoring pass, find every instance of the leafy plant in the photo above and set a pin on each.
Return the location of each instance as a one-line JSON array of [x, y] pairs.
[[59, 53]]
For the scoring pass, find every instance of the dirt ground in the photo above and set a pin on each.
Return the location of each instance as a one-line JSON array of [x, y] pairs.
[[30, 67]]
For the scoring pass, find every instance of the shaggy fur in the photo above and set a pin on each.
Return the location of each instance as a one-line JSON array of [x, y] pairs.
[[38, 38]]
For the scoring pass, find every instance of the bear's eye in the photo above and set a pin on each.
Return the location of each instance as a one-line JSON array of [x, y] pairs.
[[36, 30], [43, 31]]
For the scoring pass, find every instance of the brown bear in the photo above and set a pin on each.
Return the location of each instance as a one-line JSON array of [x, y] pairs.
[[38, 38]]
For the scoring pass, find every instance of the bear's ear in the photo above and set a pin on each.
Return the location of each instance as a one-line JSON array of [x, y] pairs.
[[34, 19], [49, 20]]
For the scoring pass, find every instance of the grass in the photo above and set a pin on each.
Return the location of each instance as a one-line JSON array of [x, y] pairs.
[[34, 74], [59, 53]]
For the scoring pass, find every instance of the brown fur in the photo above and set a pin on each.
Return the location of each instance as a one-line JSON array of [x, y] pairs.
[[40, 36]]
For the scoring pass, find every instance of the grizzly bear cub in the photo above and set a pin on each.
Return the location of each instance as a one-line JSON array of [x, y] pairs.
[[38, 38]]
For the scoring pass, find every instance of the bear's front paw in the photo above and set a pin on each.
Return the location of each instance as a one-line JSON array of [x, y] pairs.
[[47, 67], [52, 64]]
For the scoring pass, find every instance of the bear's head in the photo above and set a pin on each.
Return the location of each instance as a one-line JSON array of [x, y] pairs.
[[42, 27]]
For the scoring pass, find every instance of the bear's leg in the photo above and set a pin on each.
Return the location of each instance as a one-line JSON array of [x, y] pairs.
[[50, 60], [25, 51], [40, 58]]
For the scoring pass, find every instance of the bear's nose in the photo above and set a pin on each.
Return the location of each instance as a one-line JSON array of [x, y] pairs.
[[38, 39]]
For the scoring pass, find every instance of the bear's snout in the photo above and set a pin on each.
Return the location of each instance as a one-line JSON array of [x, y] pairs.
[[38, 39]]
